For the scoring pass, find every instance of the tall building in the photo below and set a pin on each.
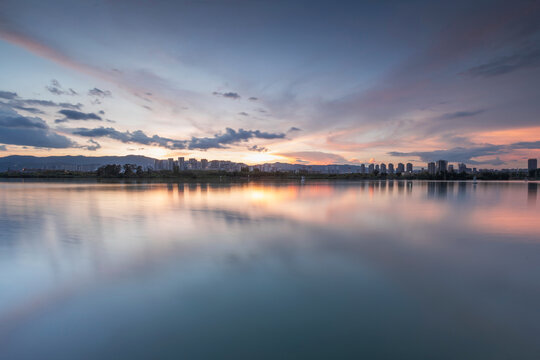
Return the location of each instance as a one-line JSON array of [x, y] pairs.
[[181, 163], [362, 169], [193, 164], [532, 164], [390, 168], [170, 164], [371, 168], [442, 166], [431, 168], [204, 164], [409, 168], [383, 168], [400, 168], [450, 168], [377, 167], [462, 168]]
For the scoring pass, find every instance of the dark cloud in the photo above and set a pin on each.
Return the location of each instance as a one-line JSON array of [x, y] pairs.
[[293, 129], [77, 115], [95, 145], [218, 141], [48, 103], [460, 114], [8, 95], [32, 110], [99, 93], [230, 95], [257, 148], [136, 136], [253, 98], [230, 136], [56, 89], [526, 58], [243, 113], [468, 154], [16, 129]]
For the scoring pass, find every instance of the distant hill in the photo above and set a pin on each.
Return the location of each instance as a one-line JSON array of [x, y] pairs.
[[86, 163]]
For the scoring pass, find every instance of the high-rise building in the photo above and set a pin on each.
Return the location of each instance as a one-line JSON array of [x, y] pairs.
[[181, 163], [431, 168], [409, 168], [362, 169], [383, 168], [390, 168], [170, 164], [532, 164], [450, 168], [462, 168], [193, 164], [371, 168], [400, 168], [377, 167], [442, 166], [204, 164]]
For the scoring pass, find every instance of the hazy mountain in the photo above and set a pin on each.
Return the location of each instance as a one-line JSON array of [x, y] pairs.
[[17, 162]]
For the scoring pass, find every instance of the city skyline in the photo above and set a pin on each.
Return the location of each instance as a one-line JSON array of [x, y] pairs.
[[297, 82]]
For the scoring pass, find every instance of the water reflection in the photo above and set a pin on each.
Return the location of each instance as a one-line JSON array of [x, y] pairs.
[[532, 192], [373, 269]]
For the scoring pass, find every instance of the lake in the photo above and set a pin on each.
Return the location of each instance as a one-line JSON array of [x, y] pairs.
[[321, 270]]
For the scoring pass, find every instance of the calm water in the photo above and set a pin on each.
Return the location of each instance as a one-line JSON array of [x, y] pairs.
[[371, 270]]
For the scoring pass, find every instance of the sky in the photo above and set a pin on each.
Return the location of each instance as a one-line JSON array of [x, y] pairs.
[[311, 82]]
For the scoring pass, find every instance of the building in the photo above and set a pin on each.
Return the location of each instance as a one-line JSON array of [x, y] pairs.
[[193, 164], [371, 168], [450, 168], [409, 168], [362, 169], [204, 164], [431, 168], [377, 168], [442, 166], [383, 168], [400, 168], [170, 164], [462, 168], [181, 164], [532, 164], [390, 168]]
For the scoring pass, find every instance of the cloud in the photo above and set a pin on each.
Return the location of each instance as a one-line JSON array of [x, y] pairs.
[[316, 157], [3, 148], [230, 95], [526, 58], [467, 154], [16, 129], [460, 114], [95, 145], [136, 136], [257, 148], [32, 110], [293, 129], [46, 103], [218, 141], [8, 95], [56, 89], [77, 115], [253, 98], [243, 113], [99, 93]]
